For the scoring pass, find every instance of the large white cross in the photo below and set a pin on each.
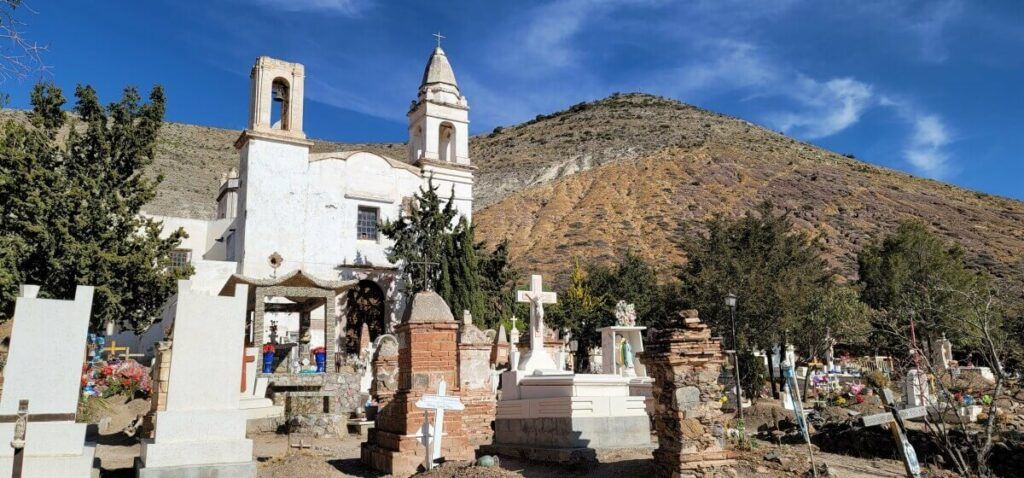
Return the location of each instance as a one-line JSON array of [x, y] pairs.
[[537, 358], [431, 439]]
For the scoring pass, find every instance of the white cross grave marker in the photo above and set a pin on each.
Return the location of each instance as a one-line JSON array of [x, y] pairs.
[[431, 438], [536, 358]]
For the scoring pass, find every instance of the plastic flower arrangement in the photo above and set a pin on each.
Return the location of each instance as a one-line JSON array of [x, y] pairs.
[[127, 377], [319, 350], [268, 348]]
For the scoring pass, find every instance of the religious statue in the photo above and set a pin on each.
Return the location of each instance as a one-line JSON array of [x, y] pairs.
[[625, 314], [624, 358]]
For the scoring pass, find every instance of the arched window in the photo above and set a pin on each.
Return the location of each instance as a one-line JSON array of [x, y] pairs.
[[280, 97], [446, 142]]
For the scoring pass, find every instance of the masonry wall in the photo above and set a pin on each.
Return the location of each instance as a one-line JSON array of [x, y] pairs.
[[685, 363]]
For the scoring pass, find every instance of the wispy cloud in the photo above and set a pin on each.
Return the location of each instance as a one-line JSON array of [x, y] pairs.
[[926, 146], [824, 107], [340, 7]]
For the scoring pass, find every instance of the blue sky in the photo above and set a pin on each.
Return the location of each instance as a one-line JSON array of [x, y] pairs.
[[931, 88]]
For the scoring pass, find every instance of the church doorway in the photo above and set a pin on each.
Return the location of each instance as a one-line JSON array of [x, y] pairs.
[[365, 305]]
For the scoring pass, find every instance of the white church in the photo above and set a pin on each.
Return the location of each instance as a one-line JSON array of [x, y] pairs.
[[291, 221]]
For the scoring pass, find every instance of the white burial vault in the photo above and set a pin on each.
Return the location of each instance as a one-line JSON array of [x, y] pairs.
[[44, 366], [552, 413], [202, 431]]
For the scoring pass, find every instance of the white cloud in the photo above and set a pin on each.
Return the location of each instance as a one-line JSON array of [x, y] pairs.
[[925, 150], [348, 8], [826, 108]]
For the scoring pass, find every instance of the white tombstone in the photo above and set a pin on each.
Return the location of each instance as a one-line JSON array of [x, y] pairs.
[[44, 366], [431, 436], [537, 358], [202, 430], [942, 354], [916, 392]]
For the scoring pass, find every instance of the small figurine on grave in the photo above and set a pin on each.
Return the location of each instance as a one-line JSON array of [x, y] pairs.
[[625, 314], [627, 358]]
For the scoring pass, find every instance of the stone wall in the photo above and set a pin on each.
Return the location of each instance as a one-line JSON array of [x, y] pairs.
[[385, 371], [476, 384], [685, 363]]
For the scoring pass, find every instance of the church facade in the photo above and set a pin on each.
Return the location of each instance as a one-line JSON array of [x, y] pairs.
[[286, 210]]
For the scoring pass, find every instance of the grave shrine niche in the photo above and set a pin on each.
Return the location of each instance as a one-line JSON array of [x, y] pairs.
[[365, 304]]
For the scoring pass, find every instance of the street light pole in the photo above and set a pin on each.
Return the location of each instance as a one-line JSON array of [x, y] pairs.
[[730, 301]]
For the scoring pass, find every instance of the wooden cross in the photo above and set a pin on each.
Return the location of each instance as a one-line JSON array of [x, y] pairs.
[[246, 358], [20, 421], [895, 419], [439, 37], [113, 349], [431, 439]]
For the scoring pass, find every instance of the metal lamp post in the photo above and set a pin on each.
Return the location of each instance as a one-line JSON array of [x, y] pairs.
[[730, 302]]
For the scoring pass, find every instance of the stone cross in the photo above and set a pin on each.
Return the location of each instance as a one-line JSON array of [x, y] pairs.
[[536, 358], [431, 439]]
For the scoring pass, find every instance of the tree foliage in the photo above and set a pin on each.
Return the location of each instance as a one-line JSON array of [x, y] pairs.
[[498, 283], [437, 252], [775, 271], [69, 209], [914, 272]]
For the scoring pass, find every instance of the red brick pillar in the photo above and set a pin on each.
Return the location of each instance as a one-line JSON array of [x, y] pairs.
[[427, 354], [685, 363]]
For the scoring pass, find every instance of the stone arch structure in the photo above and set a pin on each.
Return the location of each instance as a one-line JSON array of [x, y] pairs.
[[280, 92], [446, 141], [365, 304]]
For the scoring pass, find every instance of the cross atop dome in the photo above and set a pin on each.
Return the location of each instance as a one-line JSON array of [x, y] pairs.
[[439, 37]]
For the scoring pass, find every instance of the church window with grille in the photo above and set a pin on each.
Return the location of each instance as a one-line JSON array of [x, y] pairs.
[[366, 224], [180, 258]]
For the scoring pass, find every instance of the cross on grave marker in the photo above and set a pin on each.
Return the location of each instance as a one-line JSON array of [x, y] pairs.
[[537, 357], [425, 273], [246, 358], [113, 349], [895, 419], [20, 421], [431, 437]]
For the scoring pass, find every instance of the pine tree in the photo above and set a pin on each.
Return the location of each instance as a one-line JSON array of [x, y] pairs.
[[69, 210], [426, 234]]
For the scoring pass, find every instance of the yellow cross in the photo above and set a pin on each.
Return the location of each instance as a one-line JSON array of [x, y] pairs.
[[113, 349]]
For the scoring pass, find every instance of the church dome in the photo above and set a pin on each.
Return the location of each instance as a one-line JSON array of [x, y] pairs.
[[438, 70]]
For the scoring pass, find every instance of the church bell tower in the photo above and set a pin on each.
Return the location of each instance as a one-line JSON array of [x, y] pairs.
[[439, 133]]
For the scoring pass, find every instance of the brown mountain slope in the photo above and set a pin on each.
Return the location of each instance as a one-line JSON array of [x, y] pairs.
[[650, 204]]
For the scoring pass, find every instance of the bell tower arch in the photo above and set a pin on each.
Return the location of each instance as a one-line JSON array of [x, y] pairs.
[[275, 97]]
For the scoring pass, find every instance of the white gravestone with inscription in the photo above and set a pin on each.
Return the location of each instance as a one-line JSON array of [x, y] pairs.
[[44, 366], [202, 431]]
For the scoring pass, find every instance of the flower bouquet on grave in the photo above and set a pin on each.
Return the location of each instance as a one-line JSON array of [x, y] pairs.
[[268, 358], [127, 377], [320, 355]]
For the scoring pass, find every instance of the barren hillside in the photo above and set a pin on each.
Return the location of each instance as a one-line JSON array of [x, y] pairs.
[[638, 171]]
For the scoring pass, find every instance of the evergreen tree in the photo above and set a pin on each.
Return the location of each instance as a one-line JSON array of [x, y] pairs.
[[914, 272], [426, 234], [775, 272], [580, 312], [69, 210], [498, 283]]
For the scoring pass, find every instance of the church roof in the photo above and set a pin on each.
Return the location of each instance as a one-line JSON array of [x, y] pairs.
[[295, 278], [438, 70]]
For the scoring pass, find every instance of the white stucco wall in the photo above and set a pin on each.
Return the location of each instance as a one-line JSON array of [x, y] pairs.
[[306, 209]]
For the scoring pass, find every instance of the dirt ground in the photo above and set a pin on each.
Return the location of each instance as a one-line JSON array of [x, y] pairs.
[[339, 457]]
